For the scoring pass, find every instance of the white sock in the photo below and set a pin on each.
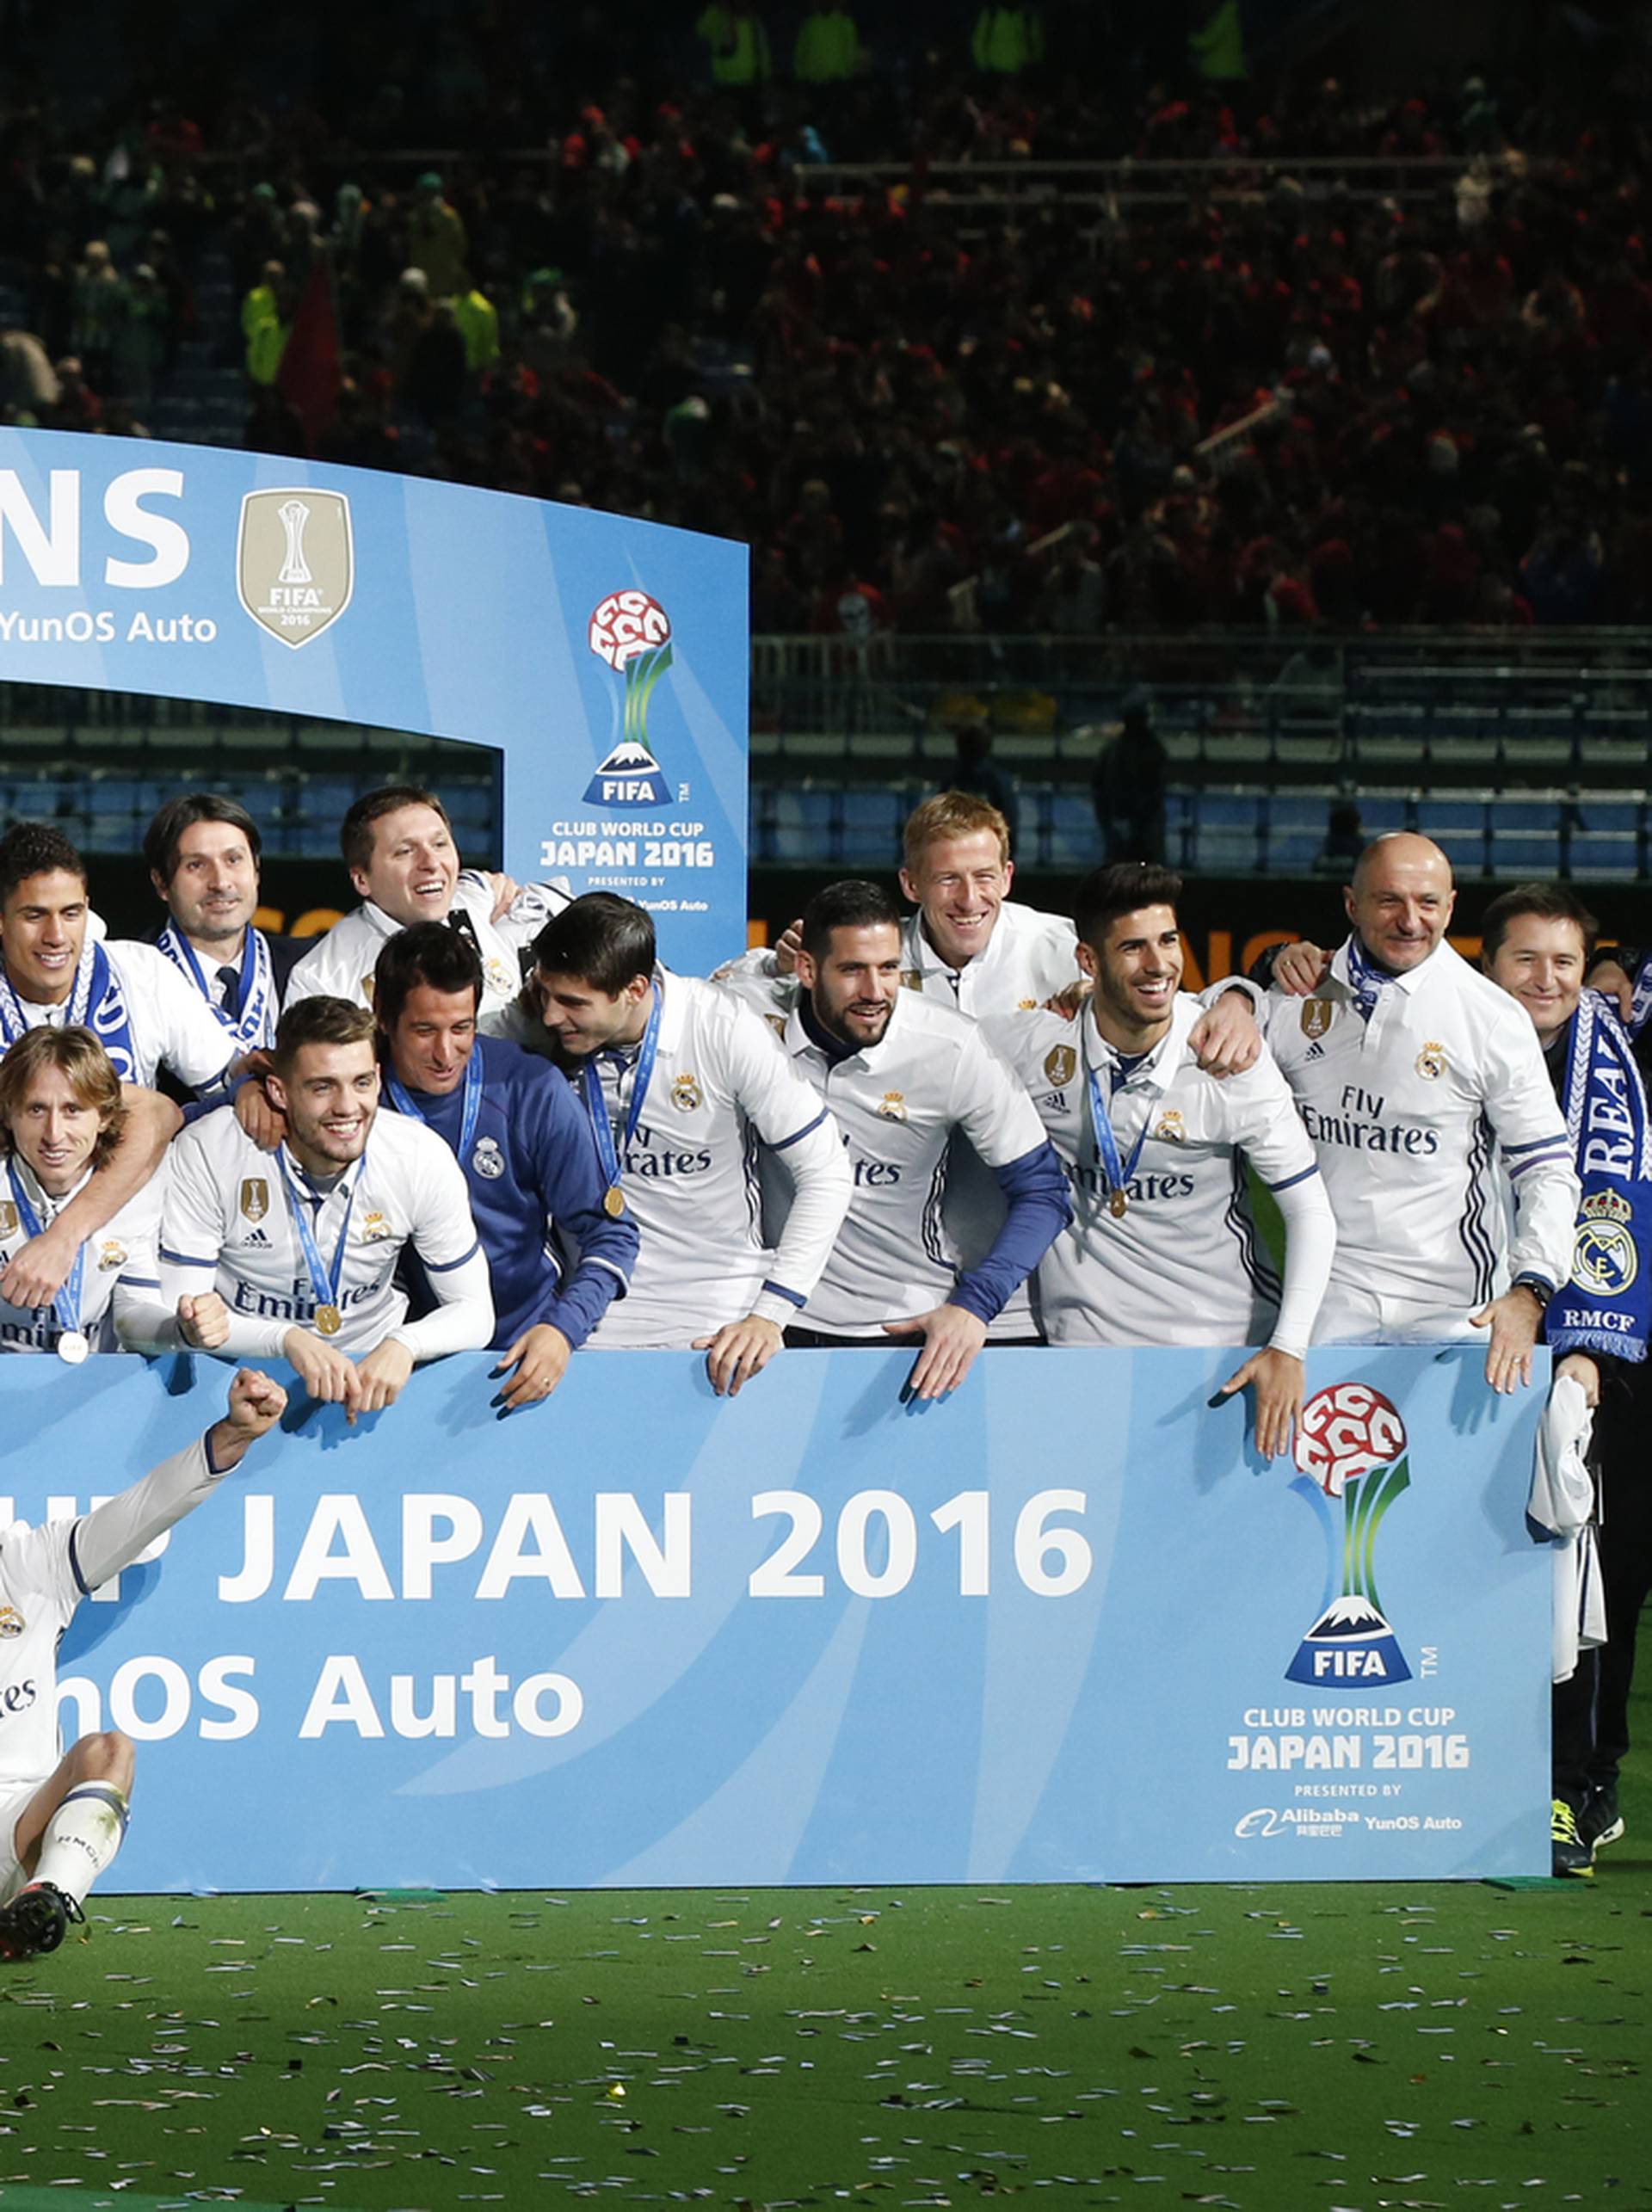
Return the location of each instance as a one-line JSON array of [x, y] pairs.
[[82, 1838]]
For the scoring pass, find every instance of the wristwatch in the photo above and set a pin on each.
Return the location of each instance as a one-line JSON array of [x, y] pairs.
[[1541, 1292]]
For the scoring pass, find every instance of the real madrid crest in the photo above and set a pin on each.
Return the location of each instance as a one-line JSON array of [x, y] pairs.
[[684, 1093], [1431, 1061], [8, 1218], [488, 1160], [1315, 1017], [1025, 1005], [1604, 1257], [498, 977], [374, 1229], [893, 1106], [1060, 1065], [11, 1621], [111, 1252], [255, 1197], [1172, 1130]]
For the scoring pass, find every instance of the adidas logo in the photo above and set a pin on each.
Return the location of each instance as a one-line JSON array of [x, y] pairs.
[[1313, 1053], [255, 1240]]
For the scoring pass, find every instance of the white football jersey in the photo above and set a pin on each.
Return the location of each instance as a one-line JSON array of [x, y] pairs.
[[720, 1084], [341, 964], [1406, 1112], [899, 1103], [1184, 1263], [227, 1225], [171, 1024], [121, 1253], [1030, 957], [45, 1573]]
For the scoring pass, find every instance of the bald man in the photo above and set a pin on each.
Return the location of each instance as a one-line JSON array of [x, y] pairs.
[[1413, 1074]]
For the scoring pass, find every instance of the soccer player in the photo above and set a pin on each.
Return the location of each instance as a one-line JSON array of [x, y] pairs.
[[1163, 1249], [60, 1118], [525, 1147], [50, 976], [128, 995], [968, 945], [903, 1077], [399, 846], [62, 1819], [1406, 1063], [682, 1084], [292, 1254], [203, 851], [1536, 944]]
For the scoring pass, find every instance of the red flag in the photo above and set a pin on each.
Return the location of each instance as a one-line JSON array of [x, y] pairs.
[[308, 379]]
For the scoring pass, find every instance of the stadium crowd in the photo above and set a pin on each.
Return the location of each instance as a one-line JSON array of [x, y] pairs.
[[897, 387]]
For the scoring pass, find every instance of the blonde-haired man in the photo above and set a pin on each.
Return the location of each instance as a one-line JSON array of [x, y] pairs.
[[61, 1117]]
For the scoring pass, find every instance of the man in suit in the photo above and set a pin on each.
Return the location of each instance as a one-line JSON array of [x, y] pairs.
[[203, 851]]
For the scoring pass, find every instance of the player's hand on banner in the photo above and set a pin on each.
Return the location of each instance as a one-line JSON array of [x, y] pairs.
[[1300, 969], [382, 1374], [1225, 1041], [505, 889], [1611, 978], [1513, 1320], [787, 946], [539, 1357], [40, 1267], [264, 1124], [952, 1337], [329, 1376], [1068, 1001], [203, 1320], [740, 1350], [1578, 1367], [1276, 1377], [256, 1403]]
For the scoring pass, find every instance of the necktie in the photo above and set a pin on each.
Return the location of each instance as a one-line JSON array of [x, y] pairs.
[[229, 987]]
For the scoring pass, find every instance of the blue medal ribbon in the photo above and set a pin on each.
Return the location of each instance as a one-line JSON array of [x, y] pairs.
[[405, 1103], [590, 1084], [325, 1285], [1106, 1145], [66, 1304]]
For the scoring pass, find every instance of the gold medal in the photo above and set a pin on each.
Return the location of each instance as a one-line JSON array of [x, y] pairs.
[[329, 1320], [1118, 1204], [613, 1202]]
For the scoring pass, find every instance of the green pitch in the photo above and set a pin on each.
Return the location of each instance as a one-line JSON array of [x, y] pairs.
[[1342, 2048]]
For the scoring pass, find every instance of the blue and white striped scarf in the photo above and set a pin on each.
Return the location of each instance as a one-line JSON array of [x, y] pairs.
[[98, 1002], [1607, 1305]]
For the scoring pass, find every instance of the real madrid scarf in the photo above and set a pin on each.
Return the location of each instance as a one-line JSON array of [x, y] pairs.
[[252, 1024], [1607, 1305], [1367, 980], [96, 1002]]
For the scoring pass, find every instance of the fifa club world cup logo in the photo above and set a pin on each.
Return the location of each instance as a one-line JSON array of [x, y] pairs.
[[632, 633], [1351, 1448]]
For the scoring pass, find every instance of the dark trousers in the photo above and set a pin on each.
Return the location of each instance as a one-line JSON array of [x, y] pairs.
[[1591, 1711]]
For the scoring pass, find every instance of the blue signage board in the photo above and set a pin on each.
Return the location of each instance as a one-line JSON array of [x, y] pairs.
[[646, 1636], [605, 658]]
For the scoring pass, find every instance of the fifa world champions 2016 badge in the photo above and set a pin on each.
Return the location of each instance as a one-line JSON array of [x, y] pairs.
[[630, 632], [1351, 1447]]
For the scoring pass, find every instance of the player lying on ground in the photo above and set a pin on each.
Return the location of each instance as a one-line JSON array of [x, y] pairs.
[[61, 1825]]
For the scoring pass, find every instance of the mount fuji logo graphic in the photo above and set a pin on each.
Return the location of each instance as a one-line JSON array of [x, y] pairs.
[[630, 776], [1351, 1447]]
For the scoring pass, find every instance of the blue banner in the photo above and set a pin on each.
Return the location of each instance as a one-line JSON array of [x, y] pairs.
[[605, 658], [1064, 1627]]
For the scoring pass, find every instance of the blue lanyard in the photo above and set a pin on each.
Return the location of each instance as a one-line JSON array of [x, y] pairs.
[[596, 1107], [66, 1304], [404, 1102], [325, 1285], [1106, 1145]]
